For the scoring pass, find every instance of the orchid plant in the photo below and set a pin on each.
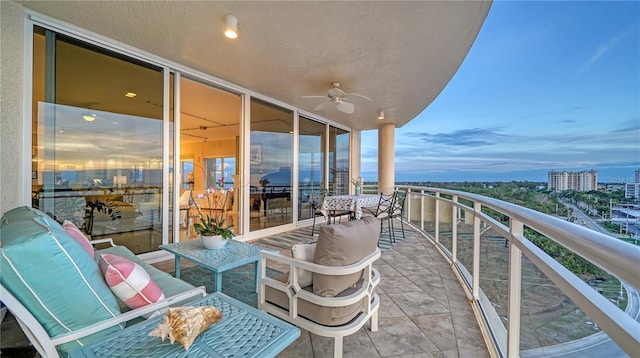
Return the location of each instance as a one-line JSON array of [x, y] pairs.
[[212, 225], [357, 181]]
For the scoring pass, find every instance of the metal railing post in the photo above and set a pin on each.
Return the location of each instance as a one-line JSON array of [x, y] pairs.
[[454, 229], [477, 208], [437, 218], [422, 210], [515, 290]]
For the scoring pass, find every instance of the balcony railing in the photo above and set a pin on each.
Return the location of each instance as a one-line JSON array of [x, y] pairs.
[[526, 302]]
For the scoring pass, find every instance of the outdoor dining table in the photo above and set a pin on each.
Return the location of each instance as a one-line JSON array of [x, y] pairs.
[[352, 203]]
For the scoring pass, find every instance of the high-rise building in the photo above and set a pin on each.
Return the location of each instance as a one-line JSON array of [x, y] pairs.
[[578, 181], [632, 190]]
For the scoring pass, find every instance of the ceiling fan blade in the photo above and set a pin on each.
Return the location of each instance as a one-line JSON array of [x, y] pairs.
[[323, 97], [346, 107], [321, 105], [356, 98]]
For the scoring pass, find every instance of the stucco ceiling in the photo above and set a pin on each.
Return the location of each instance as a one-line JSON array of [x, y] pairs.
[[399, 54]]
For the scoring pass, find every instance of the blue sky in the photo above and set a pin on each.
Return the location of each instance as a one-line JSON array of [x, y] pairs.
[[546, 86]]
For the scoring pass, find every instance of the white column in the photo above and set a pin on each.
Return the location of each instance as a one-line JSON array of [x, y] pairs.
[[386, 158]]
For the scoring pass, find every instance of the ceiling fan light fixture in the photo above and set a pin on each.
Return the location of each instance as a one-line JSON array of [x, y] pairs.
[[380, 114], [231, 27]]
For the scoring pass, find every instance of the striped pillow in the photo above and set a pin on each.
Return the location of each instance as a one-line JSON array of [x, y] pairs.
[[129, 281], [75, 233]]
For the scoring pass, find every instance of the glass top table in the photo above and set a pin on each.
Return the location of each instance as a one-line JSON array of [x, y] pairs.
[[232, 255], [243, 332]]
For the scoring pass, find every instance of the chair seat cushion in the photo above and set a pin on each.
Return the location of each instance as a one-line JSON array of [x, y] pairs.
[[341, 245], [328, 316], [51, 274]]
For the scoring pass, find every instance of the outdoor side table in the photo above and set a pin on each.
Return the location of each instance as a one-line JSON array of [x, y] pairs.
[[243, 332], [232, 255]]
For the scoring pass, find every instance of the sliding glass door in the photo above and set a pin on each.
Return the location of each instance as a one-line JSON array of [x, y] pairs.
[[97, 140], [101, 157], [339, 149], [271, 163], [311, 164], [209, 137]]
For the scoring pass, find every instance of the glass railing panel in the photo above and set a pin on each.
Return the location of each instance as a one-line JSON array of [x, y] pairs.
[[464, 239], [550, 320], [428, 215], [494, 273], [446, 224]]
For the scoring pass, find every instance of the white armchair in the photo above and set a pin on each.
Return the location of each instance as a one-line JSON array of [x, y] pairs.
[[341, 297]]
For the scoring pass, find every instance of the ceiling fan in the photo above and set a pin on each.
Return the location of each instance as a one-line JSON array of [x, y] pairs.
[[344, 102]]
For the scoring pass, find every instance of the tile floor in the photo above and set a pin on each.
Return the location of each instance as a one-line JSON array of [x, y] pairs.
[[424, 312]]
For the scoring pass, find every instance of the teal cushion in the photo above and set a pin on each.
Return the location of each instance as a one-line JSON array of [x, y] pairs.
[[51, 274]]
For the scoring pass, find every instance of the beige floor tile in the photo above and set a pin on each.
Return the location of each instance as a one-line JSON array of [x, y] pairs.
[[400, 336]]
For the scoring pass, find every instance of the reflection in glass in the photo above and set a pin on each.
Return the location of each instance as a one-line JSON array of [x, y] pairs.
[[271, 160], [97, 154], [209, 135], [311, 165], [339, 161]]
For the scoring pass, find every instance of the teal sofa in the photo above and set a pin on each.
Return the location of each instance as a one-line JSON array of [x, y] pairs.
[[56, 291]]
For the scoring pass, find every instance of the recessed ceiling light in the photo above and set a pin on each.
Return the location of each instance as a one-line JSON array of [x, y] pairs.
[[380, 114], [130, 94]]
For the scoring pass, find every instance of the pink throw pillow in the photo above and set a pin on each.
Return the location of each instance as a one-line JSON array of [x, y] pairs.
[[129, 281], [75, 233]]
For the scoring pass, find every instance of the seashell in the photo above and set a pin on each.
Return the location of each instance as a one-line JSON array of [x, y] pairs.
[[184, 324]]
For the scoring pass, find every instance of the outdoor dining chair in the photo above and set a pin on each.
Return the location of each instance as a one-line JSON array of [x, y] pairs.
[[317, 211], [398, 210], [384, 212]]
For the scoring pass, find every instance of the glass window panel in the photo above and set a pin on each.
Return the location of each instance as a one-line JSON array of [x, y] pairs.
[[209, 136], [271, 160], [97, 154], [339, 180], [312, 139]]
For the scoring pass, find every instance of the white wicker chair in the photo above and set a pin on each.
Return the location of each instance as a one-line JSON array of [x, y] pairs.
[[294, 313]]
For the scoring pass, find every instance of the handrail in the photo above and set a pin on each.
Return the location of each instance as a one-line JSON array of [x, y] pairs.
[[603, 250], [617, 257]]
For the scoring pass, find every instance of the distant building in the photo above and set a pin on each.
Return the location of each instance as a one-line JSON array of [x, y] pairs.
[[341, 180], [578, 181], [632, 190]]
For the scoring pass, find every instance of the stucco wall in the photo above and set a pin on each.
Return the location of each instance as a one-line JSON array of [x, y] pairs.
[[11, 118]]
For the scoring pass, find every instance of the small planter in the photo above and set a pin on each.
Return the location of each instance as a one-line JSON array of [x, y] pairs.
[[213, 242]]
